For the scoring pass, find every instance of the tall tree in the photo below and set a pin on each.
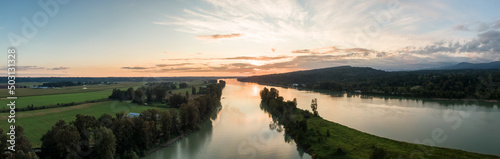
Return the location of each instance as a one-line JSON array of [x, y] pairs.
[[193, 90], [143, 134], [189, 116], [183, 85], [139, 96], [61, 141], [22, 142], [105, 144], [152, 116], [160, 93], [123, 130], [176, 100], [84, 124], [3, 143], [314, 106], [130, 93], [24, 155], [166, 124], [174, 129]]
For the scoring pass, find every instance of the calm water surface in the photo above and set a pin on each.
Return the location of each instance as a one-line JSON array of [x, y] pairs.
[[241, 129]]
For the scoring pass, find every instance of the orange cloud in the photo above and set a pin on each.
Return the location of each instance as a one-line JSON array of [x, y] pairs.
[[217, 36]]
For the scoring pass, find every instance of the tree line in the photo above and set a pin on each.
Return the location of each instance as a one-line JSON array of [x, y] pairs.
[[455, 84], [296, 123], [157, 92], [70, 83], [117, 136]]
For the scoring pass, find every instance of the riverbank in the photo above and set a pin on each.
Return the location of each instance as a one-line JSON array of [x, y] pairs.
[[167, 144], [383, 95], [326, 139]]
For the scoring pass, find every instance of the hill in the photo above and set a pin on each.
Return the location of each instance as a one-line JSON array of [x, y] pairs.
[[466, 65], [456, 84]]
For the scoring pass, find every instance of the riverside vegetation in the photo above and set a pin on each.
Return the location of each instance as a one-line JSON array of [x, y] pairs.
[[326, 139], [120, 136], [450, 84]]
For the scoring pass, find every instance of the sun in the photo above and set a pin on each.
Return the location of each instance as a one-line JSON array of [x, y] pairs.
[[256, 63]]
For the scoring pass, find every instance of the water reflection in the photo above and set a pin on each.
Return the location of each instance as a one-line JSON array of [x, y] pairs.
[[409, 119], [242, 130], [239, 130]]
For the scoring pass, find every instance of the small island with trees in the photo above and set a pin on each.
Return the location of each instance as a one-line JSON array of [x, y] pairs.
[[325, 139]]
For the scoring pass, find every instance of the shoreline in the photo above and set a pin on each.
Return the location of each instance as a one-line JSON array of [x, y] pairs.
[[379, 94], [167, 144], [346, 142]]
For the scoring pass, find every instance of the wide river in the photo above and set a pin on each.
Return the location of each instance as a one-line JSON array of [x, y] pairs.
[[242, 130]]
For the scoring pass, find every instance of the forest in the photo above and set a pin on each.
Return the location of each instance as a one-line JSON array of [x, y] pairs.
[[450, 84], [326, 139], [119, 135]]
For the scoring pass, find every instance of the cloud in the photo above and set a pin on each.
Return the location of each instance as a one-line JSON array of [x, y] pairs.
[[461, 27], [232, 67], [58, 68], [169, 65], [217, 36], [135, 68], [332, 50], [496, 25], [301, 51], [259, 58], [24, 68], [485, 42]]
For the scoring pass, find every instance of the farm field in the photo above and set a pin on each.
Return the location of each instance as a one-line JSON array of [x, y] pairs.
[[36, 123], [45, 100], [23, 92]]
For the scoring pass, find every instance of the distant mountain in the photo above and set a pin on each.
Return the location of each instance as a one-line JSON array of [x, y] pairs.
[[457, 82], [466, 65], [340, 73]]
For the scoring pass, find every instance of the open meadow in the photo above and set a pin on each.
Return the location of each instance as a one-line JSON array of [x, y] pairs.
[[64, 95], [23, 92], [36, 123]]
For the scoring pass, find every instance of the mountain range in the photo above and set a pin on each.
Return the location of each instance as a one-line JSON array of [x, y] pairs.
[[466, 65]]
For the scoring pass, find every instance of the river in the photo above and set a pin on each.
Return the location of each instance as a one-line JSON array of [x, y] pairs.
[[242, 130]]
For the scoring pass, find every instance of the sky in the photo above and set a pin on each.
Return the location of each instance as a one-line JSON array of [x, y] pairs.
[[69, 38]]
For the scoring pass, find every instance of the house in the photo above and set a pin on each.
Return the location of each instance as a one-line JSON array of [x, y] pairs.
[[133, 115], [357, 91]]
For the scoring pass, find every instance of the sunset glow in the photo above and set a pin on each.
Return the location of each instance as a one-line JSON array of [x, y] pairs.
[[243, 38]]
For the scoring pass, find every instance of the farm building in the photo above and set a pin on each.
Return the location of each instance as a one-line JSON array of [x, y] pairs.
[[133, 115]]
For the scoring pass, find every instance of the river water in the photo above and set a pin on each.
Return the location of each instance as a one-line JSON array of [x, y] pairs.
[[242, 130]]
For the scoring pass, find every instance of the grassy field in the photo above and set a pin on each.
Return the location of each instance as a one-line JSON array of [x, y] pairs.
[[357, 144], [37, 123], [22, 92], [65, 95], [45, 100]]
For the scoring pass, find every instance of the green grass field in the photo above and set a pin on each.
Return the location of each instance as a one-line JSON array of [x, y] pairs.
[[22, 92], [357, 144], [36, 123], [45, 100], [64, 95]]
